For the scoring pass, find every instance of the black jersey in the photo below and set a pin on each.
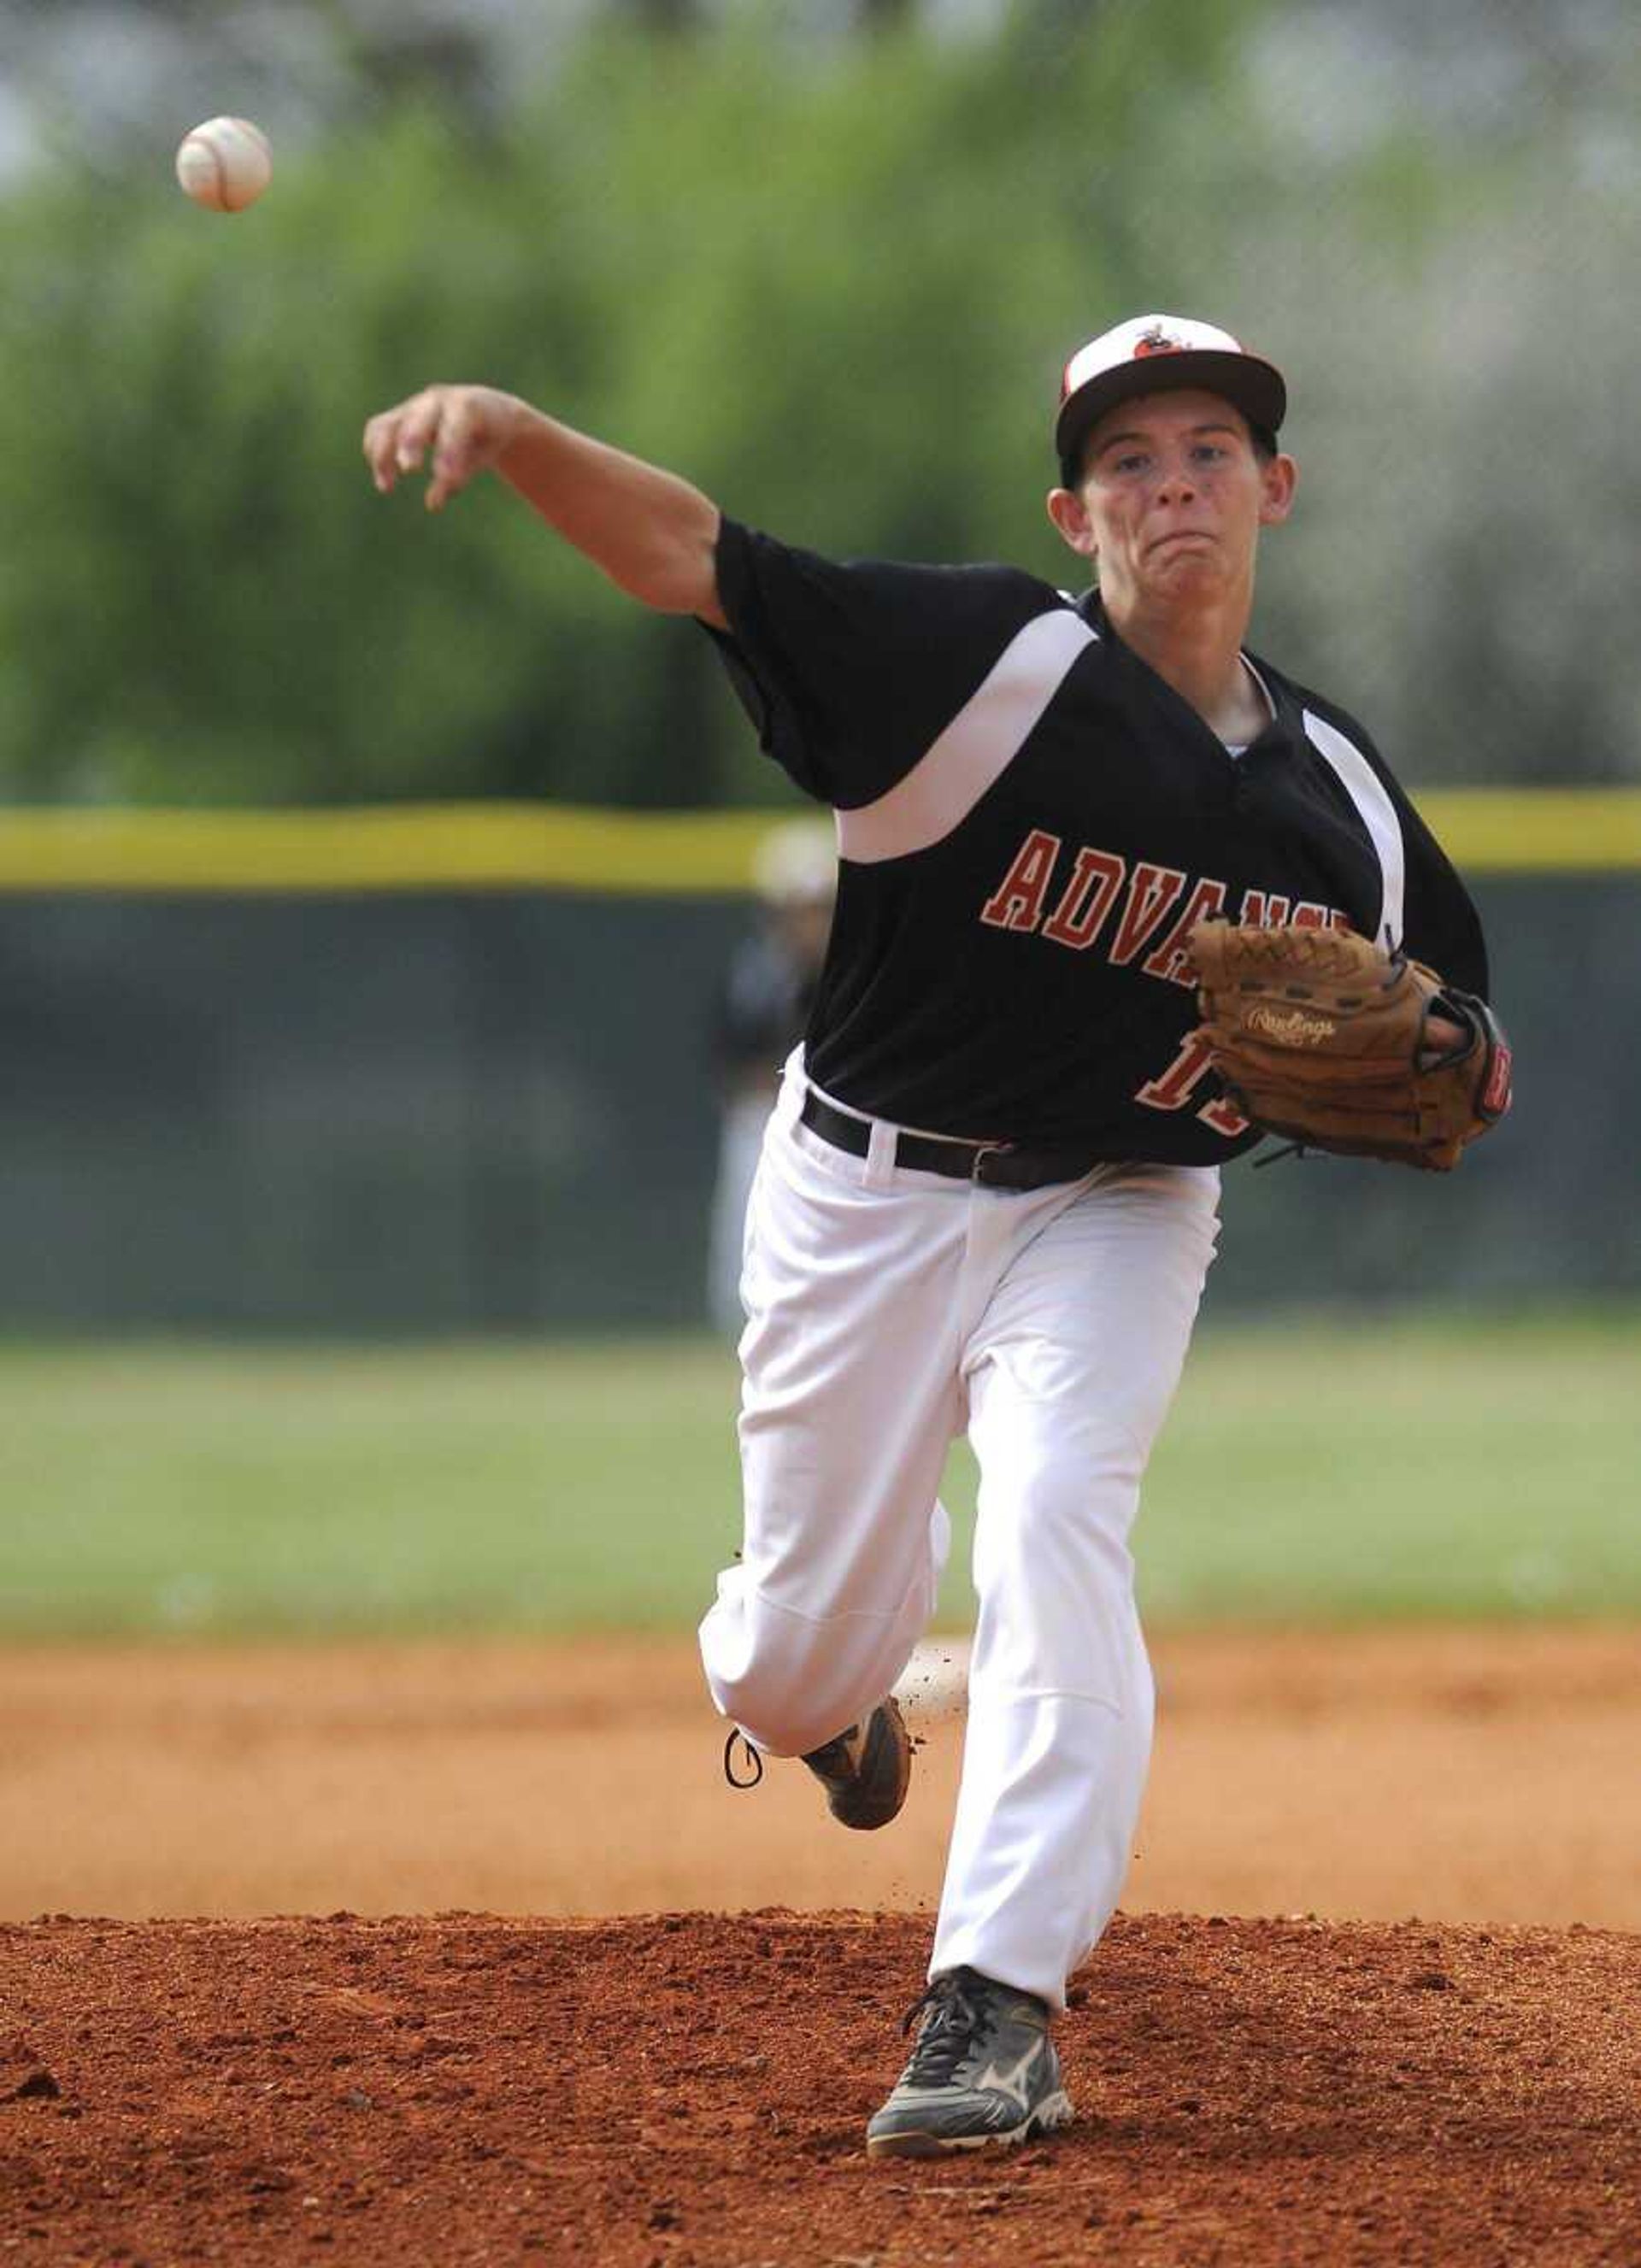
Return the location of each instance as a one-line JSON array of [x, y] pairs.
[[1030, 822]]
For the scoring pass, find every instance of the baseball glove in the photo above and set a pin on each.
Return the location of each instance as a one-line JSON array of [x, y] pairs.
[[1318, 1036]]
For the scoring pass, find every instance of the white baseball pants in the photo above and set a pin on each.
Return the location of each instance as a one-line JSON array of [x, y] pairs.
[[888, 1310]]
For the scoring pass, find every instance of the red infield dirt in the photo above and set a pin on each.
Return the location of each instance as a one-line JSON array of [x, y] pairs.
[[687, 2088]]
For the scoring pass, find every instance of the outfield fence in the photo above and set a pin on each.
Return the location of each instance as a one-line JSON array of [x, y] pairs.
[[426, 1070], [442, 847]]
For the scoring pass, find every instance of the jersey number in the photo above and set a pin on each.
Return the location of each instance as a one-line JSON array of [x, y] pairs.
[[1179, 1083], [1186, 1073]]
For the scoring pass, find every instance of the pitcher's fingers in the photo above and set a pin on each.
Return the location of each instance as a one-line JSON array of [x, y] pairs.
[[451, 475], [459, 452], [419, 426], [380, 436]]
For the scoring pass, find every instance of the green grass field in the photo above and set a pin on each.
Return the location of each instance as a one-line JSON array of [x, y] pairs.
[[1310, 1471]]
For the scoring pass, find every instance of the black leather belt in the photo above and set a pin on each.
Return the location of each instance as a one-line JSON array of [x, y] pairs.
[[994, 1165]]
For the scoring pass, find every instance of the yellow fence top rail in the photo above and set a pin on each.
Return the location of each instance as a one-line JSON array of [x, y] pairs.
[[507, 846], [451, 846], [1548, 830]]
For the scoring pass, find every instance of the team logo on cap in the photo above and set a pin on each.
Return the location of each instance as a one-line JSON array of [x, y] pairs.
[[1156, 340]]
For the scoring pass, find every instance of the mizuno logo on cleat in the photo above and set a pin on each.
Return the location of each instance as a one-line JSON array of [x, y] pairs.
[[1011, 2083]]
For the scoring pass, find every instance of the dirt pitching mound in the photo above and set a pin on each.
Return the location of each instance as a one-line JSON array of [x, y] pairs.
[[1476, 1775], [688, 2089]]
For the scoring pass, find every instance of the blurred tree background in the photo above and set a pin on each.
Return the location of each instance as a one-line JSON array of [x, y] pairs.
[[826, 260]]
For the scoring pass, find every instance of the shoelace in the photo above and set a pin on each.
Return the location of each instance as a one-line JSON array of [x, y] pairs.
[[755, 1774], [960, 2015]]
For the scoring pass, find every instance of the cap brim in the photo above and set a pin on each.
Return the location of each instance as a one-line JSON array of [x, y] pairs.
[[1255, 388]]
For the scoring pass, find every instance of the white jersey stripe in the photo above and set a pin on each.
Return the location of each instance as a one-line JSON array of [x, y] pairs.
[[975, 748], [1366, 791]]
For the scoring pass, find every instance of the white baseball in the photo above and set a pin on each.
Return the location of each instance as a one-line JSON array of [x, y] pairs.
[[225, 164]]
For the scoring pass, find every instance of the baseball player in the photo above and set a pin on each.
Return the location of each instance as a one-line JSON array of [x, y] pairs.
[[988, 1197]]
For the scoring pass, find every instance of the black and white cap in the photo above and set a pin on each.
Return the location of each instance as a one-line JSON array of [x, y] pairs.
[[1149, 355]]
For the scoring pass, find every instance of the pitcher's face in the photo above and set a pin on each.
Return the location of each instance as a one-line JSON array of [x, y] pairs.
[[1172, 496]]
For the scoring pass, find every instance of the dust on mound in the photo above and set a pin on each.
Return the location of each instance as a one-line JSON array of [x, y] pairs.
[[688, 2091]]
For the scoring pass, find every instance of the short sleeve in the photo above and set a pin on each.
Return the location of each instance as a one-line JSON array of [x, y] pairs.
[[851, 670]]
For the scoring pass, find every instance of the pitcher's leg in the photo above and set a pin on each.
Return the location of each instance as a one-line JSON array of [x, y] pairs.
[[1058, 1739], [851, 1397], [1073, 1373], [791, 1681]]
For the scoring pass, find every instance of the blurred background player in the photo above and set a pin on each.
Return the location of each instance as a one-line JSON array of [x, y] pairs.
[[761, 1011]]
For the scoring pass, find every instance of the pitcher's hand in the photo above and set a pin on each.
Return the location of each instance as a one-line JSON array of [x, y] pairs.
[[461, 430]]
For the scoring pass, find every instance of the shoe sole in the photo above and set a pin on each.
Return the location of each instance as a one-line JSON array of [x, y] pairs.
[[1051, 2113], [882, 1812]]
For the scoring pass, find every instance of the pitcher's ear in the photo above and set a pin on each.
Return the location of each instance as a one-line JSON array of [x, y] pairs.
[[1281, 478], [1069, 515]]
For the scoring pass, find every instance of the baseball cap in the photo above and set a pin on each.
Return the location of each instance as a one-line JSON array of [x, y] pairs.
[[1151, 354]]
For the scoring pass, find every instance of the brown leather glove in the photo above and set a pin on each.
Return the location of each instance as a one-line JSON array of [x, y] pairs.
[[1318, 1036]]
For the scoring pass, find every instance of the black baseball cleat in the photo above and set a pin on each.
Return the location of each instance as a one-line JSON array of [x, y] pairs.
[[868, 1769], [985, 2073]]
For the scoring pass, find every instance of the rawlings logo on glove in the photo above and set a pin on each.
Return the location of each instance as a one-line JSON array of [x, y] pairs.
[[1319, 1036], [1292, 1027]]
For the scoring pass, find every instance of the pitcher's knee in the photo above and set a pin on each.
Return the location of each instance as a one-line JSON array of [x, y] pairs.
[[780, 1716], [793, 1684]]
